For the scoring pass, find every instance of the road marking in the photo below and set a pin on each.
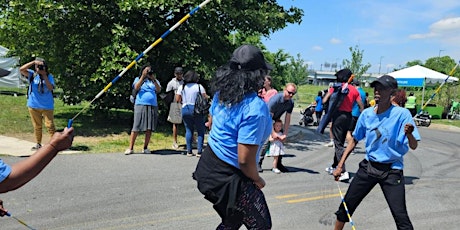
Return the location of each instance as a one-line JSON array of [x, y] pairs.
[[310, 196]]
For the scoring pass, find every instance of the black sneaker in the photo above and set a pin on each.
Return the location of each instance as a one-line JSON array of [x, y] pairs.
[[36, 147]]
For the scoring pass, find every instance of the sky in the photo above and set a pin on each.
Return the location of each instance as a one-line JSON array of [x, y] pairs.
[[390, 33]]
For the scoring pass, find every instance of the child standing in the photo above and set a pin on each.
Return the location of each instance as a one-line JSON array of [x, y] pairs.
[[319, 107], [276, 145]]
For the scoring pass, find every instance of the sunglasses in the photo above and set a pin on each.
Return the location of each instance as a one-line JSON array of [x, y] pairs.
[[291, 93]]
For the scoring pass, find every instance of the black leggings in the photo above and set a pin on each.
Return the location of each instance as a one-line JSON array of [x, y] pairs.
[[236, 198]]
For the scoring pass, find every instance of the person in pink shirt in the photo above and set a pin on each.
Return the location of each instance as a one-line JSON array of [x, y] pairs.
[[267, 91]]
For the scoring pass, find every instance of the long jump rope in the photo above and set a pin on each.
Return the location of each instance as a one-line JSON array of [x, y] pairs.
[[106, 88], [439, 88]]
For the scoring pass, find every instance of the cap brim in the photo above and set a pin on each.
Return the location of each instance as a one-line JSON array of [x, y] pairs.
[[4, 72]]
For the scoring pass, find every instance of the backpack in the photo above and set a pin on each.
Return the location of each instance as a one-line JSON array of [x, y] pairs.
[[335, 100], [132, 97], [201, 104]]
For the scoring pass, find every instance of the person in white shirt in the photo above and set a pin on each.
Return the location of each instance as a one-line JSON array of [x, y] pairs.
[[171, 88]]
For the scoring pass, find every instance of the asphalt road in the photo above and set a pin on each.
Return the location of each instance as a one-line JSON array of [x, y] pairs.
[[114, 191]]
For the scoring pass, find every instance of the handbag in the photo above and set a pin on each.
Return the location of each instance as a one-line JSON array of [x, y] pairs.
[[175, 113]]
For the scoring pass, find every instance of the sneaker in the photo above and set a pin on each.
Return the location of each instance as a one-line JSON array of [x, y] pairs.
[[329, 170], [129, 151], [344, 177], [147, 151], [36, 147], [198, 155], [275, 170], [190, 154], [330, 144], [174, 145]]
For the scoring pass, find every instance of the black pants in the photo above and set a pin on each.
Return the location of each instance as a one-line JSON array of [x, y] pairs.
[[340, 125], [393, 189]]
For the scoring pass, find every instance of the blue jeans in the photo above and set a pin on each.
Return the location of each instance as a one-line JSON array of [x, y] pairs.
[[192, 121]]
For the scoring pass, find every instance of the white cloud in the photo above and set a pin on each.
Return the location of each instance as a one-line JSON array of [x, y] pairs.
[[335, 41], [447, 30], [317, 48], [449, 24]]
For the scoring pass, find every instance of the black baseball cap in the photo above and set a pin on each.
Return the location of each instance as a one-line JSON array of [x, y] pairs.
[[178, 70], [387, 81], [4, 72], [248, 57]]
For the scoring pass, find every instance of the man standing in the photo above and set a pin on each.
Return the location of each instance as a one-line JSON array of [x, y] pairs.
[[171, 88], [342, 118], [411, 104], [279, 104]]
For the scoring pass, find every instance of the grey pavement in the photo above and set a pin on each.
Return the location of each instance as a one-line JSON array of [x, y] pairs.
[[156, 191]]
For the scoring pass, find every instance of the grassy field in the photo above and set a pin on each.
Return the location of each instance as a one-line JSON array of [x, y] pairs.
[[107, 131], [96, 131]]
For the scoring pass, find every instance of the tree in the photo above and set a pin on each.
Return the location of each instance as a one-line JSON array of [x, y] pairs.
[[355, 64], [87, 43]]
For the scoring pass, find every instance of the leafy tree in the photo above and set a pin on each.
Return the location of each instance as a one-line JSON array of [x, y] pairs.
[[413, 63], [87, 43], [356, 63]]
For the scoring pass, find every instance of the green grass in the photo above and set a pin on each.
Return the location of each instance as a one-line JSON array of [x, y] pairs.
[[96, 131]]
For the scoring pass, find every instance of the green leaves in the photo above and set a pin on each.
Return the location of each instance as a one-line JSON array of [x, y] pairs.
[[89, 42]]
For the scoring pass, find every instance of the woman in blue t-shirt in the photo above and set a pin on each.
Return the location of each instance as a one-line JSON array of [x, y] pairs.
[[40, 99], [145, 107], [227, 173]]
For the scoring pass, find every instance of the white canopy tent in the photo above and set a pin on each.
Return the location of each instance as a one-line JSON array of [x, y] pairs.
[[13, 79], [419, 76]]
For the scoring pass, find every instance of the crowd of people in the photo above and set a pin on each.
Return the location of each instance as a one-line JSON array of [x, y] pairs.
[[245, 124]]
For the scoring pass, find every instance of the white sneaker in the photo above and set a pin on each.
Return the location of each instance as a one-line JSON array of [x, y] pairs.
[[329, 170], [275, 170], [129, 151], [344, 176], [330, 144], [174, 145], [147, 151]]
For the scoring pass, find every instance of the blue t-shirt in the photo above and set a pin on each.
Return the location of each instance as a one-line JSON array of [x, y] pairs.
[[40, 97], [277, 105], [247, 122], [146, 94], [319, 104], [5, 171], [355, 111], [386, 141]]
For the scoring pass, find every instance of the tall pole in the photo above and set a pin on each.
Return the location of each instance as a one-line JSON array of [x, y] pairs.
[[380, 65], [439, 55]]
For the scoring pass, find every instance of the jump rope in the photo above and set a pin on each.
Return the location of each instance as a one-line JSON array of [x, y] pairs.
[[165, 34], [106, 88]]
